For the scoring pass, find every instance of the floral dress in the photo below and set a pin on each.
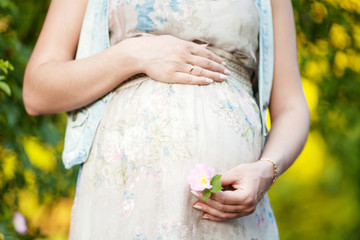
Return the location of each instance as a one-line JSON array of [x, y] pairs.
[[133, 185]]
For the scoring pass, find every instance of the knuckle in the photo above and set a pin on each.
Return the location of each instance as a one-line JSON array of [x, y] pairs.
[[171, 67], [218, 77], [208, 64], [223, 215], [168, 70], [188, 79], [249, 200], [195, 51], [180, 49], [186, 47], [201, 71], [221, 199], [181, 57], [251, 210], [221, 208]]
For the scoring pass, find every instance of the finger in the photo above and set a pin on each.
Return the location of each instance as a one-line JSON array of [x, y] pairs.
[[208, 64], [216, 213], [217, 219], [185, 78], [204, 52], [206, 45], [227, 178], [237, 197], [212, 218], [225, 207], [201, 72]]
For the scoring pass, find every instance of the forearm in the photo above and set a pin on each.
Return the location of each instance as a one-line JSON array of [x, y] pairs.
[[287, 136], [57, 86], [290, 117]]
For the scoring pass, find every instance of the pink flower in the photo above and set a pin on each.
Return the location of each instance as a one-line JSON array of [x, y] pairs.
[[200, 177], [19, 222]]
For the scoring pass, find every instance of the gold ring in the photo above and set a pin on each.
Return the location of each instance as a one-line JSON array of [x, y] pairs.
[[192, 68]]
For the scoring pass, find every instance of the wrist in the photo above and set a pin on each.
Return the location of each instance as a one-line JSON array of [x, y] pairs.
[[269, 168], [129, 52]]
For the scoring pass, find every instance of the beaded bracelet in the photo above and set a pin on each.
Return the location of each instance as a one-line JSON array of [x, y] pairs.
[[274, 167]]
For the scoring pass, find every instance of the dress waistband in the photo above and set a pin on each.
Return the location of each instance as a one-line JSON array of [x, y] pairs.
[[238, 70]]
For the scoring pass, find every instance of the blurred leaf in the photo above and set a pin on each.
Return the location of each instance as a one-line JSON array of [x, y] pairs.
[[5, 66], [216, 184], [5, 87], [206, 194]]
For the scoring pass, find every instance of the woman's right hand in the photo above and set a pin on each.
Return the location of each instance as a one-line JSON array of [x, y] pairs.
[[169, 59]]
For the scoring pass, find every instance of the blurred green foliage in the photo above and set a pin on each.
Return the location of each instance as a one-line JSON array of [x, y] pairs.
[[317, 198], [27, 185], [5, 67]]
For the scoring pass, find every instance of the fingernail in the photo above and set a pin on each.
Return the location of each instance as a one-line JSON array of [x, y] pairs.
[[227, 72], [195, 194], [223, 63], [205, 217], [208, 80], [196, 206], [223, 77]]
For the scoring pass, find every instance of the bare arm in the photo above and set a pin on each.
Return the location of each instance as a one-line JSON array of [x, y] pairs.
[[55, 82], [53, 78], [289, 130], [290, 117]]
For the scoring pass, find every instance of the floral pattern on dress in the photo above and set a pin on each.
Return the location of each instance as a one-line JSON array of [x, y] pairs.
[[170, 229], [232, 108], [263, 213], [186, 19], [148, 18], [145, 24], [122, 166], [155, 124]]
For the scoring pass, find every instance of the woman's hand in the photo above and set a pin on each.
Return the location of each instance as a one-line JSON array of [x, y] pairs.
[[250, 182], [168, 59]]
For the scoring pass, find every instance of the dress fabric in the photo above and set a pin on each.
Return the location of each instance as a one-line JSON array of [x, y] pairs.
[[133, 185]]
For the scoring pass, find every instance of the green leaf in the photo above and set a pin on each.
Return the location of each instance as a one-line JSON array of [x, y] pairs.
[[2, 66], [5, 88], [9, 66], [206, 194], [5, 66], [2, 77], [216, 183]]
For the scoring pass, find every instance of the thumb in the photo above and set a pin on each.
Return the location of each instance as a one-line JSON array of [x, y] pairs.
[[227, 178]]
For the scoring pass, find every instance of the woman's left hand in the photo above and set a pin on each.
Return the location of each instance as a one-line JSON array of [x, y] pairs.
[[249, 182]]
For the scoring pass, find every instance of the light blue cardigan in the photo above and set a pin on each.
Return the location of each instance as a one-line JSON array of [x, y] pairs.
[[94, 38]]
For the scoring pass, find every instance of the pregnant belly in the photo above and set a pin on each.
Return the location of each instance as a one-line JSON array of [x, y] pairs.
[[158, 124], [151, 135]]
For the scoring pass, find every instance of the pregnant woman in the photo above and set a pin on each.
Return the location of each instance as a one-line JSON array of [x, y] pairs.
[[159, 86]]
